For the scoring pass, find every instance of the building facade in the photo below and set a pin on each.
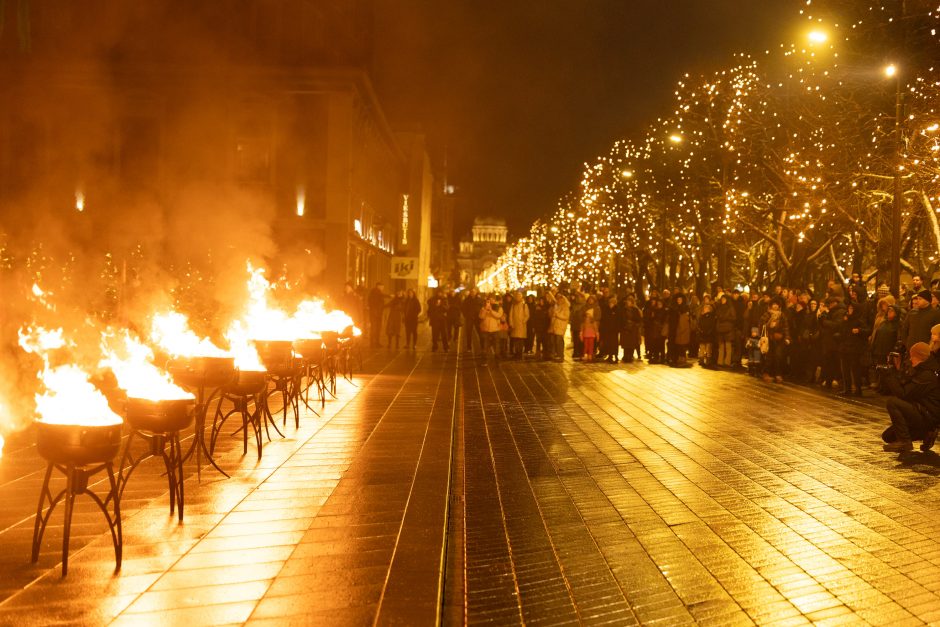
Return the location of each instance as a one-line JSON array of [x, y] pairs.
[[242, 129], [478, 253]]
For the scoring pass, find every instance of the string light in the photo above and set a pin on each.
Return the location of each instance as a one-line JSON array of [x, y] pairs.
[[786, 163]]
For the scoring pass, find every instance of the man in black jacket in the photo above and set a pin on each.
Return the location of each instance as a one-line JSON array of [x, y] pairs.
[[470, 308], [914, 405], [920, 319]]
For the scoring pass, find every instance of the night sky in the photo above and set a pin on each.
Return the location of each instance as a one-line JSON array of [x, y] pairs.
[[519, 94]]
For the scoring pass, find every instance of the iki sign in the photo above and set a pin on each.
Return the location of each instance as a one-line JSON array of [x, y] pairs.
[[404, 267]]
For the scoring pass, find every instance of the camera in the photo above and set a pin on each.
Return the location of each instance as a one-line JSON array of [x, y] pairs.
[[887, 370], [894, 359]]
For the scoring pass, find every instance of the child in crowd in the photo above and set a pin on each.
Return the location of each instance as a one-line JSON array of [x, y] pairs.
[[589, 335], [753, 353]]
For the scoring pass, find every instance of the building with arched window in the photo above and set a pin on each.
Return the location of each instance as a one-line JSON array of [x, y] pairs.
[[480, 252]]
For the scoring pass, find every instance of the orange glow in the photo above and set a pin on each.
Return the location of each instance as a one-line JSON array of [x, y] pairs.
[[171, 332], [132, 364], [246, 355], [67, 396], [264, 321]]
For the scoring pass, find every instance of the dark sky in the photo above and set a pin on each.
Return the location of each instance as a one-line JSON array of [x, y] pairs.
[[519, 94]]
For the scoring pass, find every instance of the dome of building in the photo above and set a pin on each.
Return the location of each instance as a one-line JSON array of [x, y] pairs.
[[488, 221]]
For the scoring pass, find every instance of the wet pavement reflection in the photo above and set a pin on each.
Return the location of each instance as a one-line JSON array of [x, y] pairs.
[[571, 494], [641, 494], [337, 523]]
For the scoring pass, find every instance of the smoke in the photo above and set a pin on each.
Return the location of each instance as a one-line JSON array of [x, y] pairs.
[[141, 174]]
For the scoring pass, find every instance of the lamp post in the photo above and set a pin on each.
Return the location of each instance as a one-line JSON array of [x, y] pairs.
[[892, 72]]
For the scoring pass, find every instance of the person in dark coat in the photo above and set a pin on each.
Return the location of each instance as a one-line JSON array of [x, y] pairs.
[[852, 345], [800, 343], [539, 321], [653, 317], [437, 317], [610, 329], [915, 401], [813, 339], [775, 326], [411, 309], [680, 330], [726, 322], [920, 319], [393, 322], [831, 316], [631, 324], [470, 308], [706, 322]]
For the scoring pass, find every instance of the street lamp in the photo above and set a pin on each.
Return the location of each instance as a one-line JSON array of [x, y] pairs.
[[891, 71], [817, 36]]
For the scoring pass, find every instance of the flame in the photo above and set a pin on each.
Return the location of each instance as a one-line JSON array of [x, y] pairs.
[[41, 341], [262, 321], [69, 398], [313, 316], [79, 200], [132, 364], [246, 355], [67, 395], [171, 332]]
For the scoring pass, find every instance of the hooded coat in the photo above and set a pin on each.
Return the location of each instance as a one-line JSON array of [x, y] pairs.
[[561, 311], [518, 317]]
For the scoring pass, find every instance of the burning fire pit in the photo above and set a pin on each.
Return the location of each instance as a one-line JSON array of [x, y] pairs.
[[202, 371], [284, 371], [206, 375], [77, 445], [248, 389], [314, 365], [158, 422], [78, 452], [78, 435]]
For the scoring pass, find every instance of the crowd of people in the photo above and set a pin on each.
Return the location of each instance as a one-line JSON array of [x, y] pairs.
[[845, 339]]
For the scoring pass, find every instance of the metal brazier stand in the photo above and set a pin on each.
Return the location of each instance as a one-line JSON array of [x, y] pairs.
[[159, 424], [78, 452]]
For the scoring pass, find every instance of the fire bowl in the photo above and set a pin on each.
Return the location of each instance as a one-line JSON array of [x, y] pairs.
[[78, 445], [248, 382], [310, 349], [275, 354], [202, 371], [163, 416]]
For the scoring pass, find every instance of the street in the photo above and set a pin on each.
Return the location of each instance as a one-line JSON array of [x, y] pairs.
[[579, 494]]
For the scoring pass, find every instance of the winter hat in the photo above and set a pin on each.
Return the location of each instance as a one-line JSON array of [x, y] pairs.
[[925, 294], [920, 350], [883, 291]]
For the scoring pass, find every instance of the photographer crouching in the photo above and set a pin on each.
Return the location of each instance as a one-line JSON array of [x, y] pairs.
[[914, 406]]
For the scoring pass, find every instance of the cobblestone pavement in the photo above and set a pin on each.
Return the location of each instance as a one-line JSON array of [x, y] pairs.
[[643, 494], [341, 522], [578, 494]]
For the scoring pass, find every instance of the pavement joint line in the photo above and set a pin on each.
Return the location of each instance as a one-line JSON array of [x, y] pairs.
[[427, 428], [499, 496], [588, 474], [513, 433]]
